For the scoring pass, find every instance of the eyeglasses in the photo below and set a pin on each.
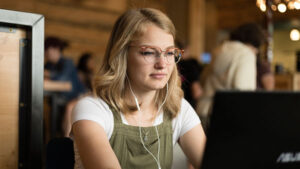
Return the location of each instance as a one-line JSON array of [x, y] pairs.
[[151, 54]]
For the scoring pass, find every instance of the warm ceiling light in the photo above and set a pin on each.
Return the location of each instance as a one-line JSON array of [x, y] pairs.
[[294, 35], [263, 7], [291, 5], [297, 5], [273, 7], [281, 7]]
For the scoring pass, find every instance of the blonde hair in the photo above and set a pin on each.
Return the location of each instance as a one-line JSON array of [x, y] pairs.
[[110, 82]]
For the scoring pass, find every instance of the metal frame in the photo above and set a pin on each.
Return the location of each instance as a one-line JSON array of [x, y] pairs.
[[31, 94]]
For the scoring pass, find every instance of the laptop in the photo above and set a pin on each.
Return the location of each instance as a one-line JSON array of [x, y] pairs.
[[254, 130]]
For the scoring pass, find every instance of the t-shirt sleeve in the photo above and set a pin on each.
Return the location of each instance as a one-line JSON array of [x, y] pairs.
[[188, 118], [94, 109]]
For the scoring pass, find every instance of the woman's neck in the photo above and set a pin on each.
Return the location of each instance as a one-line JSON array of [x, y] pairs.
[[148, 108], [146, 100]]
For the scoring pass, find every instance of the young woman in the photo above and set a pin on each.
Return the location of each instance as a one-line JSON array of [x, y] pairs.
[[138, 112]]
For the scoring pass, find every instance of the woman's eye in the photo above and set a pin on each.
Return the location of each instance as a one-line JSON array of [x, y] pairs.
[[145, 53], [170, 53]]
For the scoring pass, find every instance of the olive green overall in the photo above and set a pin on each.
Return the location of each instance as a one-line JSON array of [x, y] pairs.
[[126, 143]]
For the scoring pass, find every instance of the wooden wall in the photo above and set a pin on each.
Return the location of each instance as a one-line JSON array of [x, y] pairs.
[[9, 98], [232, 13], [86, 24]]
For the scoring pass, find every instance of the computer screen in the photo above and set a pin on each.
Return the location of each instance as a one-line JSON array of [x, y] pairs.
[[205, 58], [254, 130]]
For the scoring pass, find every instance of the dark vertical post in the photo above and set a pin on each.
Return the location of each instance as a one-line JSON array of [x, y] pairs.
[[269, 27]]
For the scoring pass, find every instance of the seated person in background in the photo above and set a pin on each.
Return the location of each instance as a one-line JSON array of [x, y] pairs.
[[265, 77], [233, 66], [86, 70], [190, 71], [59, 68], [138, 112]]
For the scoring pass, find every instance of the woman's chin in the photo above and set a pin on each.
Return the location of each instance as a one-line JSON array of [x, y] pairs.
[[159, 86]]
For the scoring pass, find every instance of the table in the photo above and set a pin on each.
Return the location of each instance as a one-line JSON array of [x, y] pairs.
[[52, 91]]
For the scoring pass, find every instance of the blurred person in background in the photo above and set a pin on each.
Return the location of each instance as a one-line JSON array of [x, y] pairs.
[[59, 68], [233, 66], [86, 71], [190, 71], [265, 77]]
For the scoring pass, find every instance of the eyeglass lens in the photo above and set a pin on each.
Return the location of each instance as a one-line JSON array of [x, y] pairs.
[[151, 54]]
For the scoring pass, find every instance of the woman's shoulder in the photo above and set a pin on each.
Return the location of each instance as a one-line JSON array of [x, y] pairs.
[[92, 103], [90, 99], [185, 105], [186, 119], [185, 109], [94, 109]]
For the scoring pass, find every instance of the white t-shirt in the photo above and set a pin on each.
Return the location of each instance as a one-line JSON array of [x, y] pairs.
[[95, 109]]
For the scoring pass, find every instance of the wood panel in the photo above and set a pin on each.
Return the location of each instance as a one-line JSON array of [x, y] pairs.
[[9, 98], [177, 10], [80, 39], [287, 81], [196, 27], [229, 19], [79, 34], [211, 26], [18, 5], [114, 5], [157, 4], [100, 15], [82, 17], [283, 82], [296, 82], [85, 24], [76, 49], [108, 5]]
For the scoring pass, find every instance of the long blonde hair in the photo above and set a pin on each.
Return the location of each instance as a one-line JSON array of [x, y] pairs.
[[110, 82]]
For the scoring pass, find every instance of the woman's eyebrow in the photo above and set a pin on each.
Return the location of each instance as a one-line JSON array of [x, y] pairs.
[[172, 46]]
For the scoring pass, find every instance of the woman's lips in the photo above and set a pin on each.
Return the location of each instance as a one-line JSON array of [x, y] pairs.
[[158, 75]]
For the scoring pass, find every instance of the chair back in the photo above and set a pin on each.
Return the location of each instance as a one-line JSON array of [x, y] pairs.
[[60, 154]]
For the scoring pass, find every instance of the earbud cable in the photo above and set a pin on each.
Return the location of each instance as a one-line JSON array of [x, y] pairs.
[[139, 109]]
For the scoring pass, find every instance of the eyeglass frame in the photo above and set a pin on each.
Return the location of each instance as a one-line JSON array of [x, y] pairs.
[[160, 51]]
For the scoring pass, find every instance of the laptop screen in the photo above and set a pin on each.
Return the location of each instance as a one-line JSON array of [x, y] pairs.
[[257, 130]]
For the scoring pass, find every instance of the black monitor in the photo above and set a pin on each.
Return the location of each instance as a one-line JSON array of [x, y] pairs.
[[254, 130]]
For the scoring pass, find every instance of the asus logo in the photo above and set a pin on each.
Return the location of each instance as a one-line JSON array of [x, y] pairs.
[[288, 157]]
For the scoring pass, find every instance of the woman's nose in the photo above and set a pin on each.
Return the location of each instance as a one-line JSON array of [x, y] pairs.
[[161, 61]]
